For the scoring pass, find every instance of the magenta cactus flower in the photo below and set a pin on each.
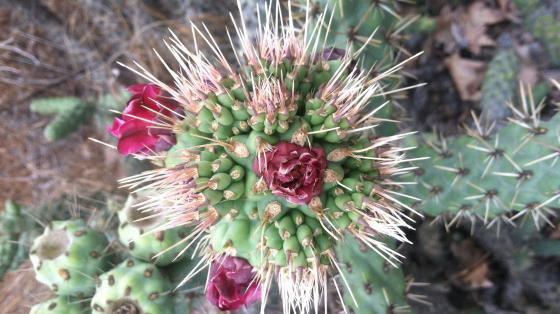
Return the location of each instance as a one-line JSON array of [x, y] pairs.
[[136, 130], [232, 284]]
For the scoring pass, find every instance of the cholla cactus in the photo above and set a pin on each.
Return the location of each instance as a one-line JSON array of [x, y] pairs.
[[274, 160]]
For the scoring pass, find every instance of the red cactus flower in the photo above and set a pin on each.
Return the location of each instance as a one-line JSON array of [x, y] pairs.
[[134, 129], [232, 284], [292, 171]]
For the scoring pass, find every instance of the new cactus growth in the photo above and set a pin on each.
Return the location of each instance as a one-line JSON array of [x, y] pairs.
[[492, 177], [133, 287], [70, 113], [498, 88], [136, 231], [68, 255], [273, 164], [60, 305]]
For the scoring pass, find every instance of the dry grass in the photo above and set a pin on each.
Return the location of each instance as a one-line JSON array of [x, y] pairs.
[[59, 47]]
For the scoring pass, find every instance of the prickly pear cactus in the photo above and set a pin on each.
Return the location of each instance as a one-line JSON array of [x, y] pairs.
[[360, 23], [492, 177], [498, 88], [136, 231], [70, 113], [60, 305], [133, 287], [374, 286], [277, 163], [68, 255]]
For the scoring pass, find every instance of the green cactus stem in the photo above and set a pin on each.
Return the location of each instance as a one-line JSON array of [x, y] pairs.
[[133, 287], [70, 113], [67, 257], [60, 305]]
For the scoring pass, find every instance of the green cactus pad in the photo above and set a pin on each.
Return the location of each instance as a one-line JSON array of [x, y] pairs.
[[133, 287], [134, 231], [354, 21], [377, 287], [490, 177], [60, 305], [67, 257]]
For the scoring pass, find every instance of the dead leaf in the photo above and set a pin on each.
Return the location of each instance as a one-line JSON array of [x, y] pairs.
[[555, 234], [476, 276], [528, 74], [481, 14], [467, 76], [467, 26], [473, 262], [443, 34]]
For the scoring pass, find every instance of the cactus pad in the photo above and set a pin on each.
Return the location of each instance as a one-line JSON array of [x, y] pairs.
[[67, 257], [493, 177], [60, 305], [135, 232], [133, 287]]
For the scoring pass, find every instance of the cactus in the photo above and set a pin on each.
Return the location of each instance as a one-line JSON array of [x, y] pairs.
[[17, 230], [354, 21], [70, 113], [135, 232], [498, 88], [67, 257], [377, 287], [9, 235], [494, 177], [542, 19], [277, 163], [133, 287], [60, 305]]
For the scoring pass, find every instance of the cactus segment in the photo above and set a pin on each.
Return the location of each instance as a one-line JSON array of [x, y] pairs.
[[137, 232], [133, 287], [498, 88], [67, 257], [59, 305], [375, 287], [492, 177], [70, 113], [277, 164]]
